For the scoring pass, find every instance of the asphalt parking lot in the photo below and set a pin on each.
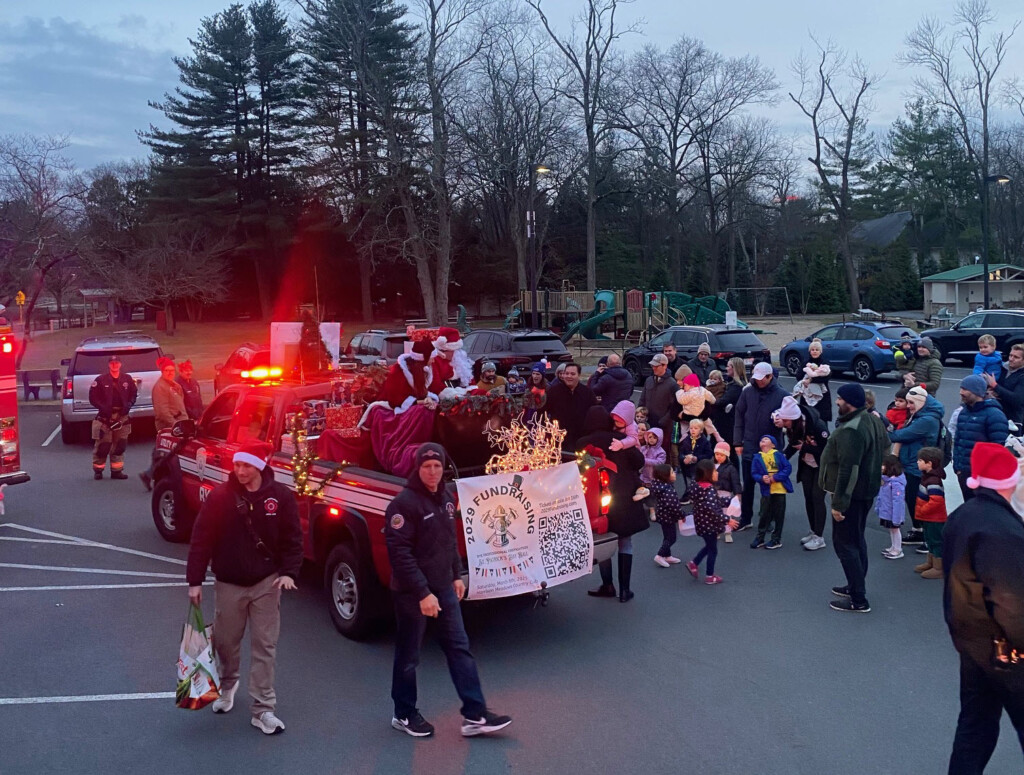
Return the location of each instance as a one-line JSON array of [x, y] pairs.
[[754, 676]]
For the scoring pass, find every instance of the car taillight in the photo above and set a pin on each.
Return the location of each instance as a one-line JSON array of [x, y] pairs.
[[721, 356], [8, 347], [508, 363], [564, 357], [334, 511], [883, 344], [606, 496], [69, 388]]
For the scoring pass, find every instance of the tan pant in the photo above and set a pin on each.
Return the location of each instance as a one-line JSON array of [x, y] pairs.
[[260, 606]]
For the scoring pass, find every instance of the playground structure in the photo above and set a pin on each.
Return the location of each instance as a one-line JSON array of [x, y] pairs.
[[632, 315]]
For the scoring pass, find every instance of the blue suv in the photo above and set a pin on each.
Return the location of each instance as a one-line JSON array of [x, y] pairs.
[[865, 349]]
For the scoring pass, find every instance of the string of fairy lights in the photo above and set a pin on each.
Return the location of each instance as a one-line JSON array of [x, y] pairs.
[[303, 458]]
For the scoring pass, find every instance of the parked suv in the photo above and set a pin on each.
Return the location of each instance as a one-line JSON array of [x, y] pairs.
[[138, 354], [521, 349], [725, 343], [866, 349], [960, 341], [245, 358]]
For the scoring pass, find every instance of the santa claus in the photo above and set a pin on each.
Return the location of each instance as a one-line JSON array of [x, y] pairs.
[[407, 381], [448, 362]]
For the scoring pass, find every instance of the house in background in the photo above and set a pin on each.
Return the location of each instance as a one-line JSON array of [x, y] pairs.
[[962, 290]]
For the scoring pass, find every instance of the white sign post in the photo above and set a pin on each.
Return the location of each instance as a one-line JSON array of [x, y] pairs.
[[525, 529]]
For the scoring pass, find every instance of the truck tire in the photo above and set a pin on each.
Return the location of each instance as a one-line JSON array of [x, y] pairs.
[[72, 432], [170, 515], [348, 592]]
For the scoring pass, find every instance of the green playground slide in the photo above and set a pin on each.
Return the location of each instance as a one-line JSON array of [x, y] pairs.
[[590, 326]]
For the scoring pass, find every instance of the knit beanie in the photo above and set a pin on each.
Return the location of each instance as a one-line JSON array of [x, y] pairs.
[[973, 383], [917, 396], [723, 447], [430, 451], [853, 394]]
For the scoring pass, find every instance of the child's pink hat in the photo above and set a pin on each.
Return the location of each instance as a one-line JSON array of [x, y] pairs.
[[723, 447], [692, 380]]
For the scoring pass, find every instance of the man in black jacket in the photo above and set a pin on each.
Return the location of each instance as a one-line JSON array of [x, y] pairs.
[[659, 398], [983, 601], [113, 395], [568, 402], [249, 527], [1008, 390], [672, 356], [702, 365], [426, 581], [611, 382]]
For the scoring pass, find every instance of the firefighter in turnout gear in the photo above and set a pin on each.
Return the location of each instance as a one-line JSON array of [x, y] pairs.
[[113, 394]]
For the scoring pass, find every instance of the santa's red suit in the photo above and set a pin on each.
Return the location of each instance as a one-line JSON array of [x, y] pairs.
[[448, 362], [406, 382]]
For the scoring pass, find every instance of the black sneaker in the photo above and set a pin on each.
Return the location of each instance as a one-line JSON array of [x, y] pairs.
[[849, 605], [97, 474], [415, 725], [741, 528], [489, 722], [922, 549], [841, 591], [914, 536]]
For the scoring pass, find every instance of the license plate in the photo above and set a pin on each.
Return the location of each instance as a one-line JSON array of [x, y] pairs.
[[748, 361]]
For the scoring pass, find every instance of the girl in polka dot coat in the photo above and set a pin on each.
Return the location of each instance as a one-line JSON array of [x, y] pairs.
[[708, 520]]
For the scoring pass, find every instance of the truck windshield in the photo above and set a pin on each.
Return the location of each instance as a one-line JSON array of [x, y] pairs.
[[131, 361]]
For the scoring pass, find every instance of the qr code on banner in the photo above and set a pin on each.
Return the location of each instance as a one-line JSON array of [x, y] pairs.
[[564, 542]]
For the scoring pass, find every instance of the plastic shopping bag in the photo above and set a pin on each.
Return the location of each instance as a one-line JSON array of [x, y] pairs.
[[733, 509], [686, 527], [198, 681]]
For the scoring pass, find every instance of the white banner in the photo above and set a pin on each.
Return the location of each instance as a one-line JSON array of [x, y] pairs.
[[524, 529]]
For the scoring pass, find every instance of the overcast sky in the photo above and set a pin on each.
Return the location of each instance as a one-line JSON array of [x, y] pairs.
[[87, 69]]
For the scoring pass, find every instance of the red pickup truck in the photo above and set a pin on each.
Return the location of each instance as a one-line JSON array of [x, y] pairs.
[[343, 531]]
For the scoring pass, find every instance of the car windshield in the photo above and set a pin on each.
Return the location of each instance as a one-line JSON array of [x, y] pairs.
[[532, 344], [739, 340], [131, 361]]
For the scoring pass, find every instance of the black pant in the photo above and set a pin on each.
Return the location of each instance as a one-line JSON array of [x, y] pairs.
[[910, 496], [814, 498], [451, 634], [773, 509], [669, 533], [968, 493], [710, 551], [747, 497], [851, 549], [984, 693]]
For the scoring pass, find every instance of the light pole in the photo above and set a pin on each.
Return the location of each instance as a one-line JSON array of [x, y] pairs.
[[1001, 180], [531, 240]]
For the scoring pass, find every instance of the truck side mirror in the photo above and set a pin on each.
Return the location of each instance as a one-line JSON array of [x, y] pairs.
[[184, 429]]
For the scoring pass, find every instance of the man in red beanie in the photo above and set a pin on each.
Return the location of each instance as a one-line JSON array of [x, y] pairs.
[[249, 528], [983, 549]]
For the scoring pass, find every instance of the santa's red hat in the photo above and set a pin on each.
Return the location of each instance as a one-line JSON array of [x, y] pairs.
[[993, 466], [255, 453], [447, 339], [421, 350]]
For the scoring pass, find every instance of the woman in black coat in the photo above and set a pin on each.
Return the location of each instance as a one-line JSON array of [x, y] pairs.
[[722, 411], [625, 515], [816, 357]]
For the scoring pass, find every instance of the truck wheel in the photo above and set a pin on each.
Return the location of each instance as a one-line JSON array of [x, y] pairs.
[[863, 370], [794, 364], [170, 515], [72, 432], [348, 592]]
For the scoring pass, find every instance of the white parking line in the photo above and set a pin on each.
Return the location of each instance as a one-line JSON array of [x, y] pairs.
[[96, 544], [101, 571], [41, 541], [71, 587], [86, 698], [52, 434]]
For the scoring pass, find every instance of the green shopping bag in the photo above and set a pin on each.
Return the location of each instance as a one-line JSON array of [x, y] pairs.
[[198, 681]]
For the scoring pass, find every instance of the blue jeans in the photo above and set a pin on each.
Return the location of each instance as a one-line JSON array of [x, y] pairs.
[[710, 551], [669, 534], [851, 549], [451, 635]]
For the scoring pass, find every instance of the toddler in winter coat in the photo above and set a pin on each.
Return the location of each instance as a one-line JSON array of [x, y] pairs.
[[694, 448], [930, 509], [693, 398], [516, 385], [896, 415], [708, 521], [892, 504], [988, 361], [654, 454], [622, 416], [716, 384], [727, 479], [771, 470], [668, 511]]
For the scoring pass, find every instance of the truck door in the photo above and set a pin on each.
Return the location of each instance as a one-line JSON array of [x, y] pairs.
[[207, 454]]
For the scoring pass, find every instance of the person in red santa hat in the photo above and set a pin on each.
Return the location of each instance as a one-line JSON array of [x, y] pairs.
[[406, 383], [983, 549], [448, 362]]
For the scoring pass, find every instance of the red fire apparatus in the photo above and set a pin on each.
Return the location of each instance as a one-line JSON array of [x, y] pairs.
[[10, 440]]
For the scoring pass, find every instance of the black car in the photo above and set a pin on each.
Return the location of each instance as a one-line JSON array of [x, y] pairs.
[[521, 349], [725, 343], [960, 341]]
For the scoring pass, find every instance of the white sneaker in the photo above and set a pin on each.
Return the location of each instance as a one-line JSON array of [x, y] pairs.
[[659, 560], [226, 701], [814, 544], [893, 555], [807, 538], [268, 723], [673, 560]]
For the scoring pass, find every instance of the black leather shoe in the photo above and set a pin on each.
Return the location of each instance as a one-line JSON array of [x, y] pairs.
[[97, 474], [605, 590]]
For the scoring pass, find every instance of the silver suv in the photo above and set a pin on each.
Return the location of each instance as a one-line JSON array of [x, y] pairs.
[[138, 354]]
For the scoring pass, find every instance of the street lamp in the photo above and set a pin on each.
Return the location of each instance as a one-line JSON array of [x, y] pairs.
[[531, 239], [1000, 180]]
